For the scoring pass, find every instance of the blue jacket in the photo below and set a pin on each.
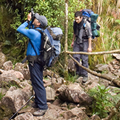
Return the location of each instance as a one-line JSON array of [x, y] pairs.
[[34, 36]]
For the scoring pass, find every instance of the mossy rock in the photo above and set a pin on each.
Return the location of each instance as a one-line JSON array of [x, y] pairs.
[[5, 112]]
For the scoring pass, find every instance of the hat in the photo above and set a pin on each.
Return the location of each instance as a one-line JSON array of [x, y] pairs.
[[41, 19]]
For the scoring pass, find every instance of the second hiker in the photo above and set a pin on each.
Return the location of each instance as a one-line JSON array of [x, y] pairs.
[[81, 43]]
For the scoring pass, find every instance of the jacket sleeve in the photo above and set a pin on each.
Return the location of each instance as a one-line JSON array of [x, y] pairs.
[[25, 31]]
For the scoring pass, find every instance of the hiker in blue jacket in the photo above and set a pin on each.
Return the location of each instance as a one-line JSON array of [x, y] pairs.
[[36, 70], [81, 43]]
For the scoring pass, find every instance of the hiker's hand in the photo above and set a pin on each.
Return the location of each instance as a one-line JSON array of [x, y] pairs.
[[89, 49], [29, 16], [72, 44]]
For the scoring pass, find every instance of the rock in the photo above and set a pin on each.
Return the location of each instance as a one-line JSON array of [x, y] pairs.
[[3, 91], [24, 69], [12, 73], [1, 71], [56, 83], [25, 116], [95, 117], [15, 98], [75, 113], [10, 77], [115, 62], [101, 67], [50, 74], [117, 73], [117, 56], [91, 86], [53, 113], [71, 66], [106, 82], [93, 78], [50, 94], [57, 102], [73, 93], [47, 82], [7, 65], [2, 59]]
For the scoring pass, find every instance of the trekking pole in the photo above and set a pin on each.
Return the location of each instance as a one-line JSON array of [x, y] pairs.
[[22, 107]]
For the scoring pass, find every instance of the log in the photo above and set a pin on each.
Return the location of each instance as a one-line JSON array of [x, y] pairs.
[[115, 81]]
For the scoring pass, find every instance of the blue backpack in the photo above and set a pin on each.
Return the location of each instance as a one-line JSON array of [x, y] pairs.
[[50, 46], [90, 16]]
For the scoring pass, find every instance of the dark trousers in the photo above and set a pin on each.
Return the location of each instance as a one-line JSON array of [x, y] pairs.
[[83, 47], [36, 73]]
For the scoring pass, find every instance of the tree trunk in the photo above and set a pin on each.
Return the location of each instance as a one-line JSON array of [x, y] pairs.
[[66, 36]]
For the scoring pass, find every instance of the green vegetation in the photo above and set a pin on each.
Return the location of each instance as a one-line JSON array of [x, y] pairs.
[[14, 45], [1, 95], [109, 32], [103, 101]]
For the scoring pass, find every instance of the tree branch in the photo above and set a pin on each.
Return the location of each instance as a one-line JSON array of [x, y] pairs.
[[94, 53], [115, 81]]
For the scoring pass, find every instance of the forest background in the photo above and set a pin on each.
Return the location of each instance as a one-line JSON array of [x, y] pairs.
[[13, 44], [14, 12]]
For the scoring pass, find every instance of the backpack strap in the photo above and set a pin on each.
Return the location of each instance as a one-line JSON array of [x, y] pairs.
[[33, 46]]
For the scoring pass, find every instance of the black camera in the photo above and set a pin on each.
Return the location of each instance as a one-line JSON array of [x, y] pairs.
[[32, 14]]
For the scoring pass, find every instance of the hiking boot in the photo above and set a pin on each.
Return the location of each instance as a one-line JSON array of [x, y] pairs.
[[39, 112], [85, 79]]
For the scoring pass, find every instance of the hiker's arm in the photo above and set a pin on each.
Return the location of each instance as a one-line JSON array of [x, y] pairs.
[[89, 44], [73, 40], [89, 37], [23, 30]]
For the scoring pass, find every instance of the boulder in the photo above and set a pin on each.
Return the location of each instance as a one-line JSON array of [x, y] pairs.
[[50, 94], [25, 116], [10, 77], [73, 93], [71, 66], [101, 67], [24, 69], [7, 65], [53, 113], [117, 56], [75, 113], [15, 98], [50, 73]]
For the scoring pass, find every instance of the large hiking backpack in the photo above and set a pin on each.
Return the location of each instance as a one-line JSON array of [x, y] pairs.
[[50, 46], [90, 16]]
